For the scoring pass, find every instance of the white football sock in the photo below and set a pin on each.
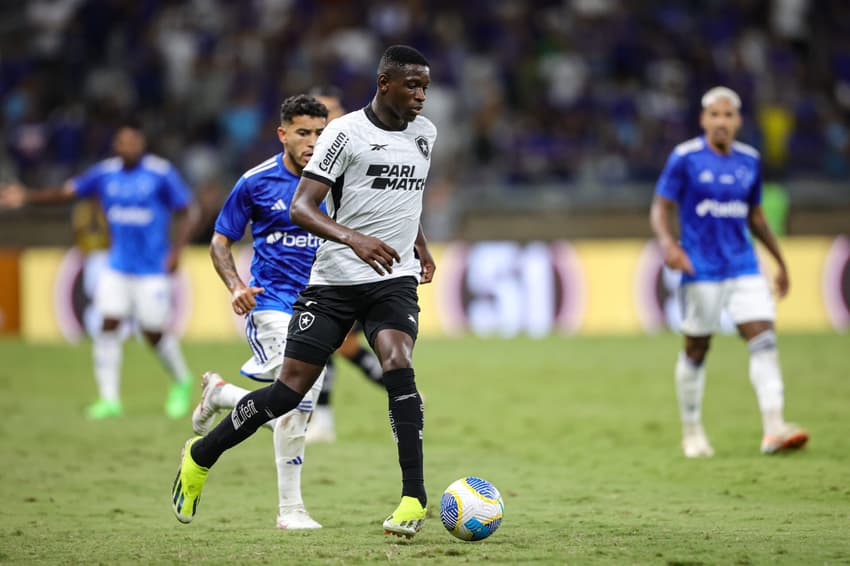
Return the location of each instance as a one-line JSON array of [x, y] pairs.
[[289, 436], [766, 378], [690, 384], [228, 396], [168, 350], [107, 354]]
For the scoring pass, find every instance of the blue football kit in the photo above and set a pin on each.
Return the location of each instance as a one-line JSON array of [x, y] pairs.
[[714, 194], [283, 251], [138, 203]]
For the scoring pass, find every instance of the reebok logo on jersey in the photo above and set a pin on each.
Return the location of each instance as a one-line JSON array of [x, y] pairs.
[[288, 240], [279, 205], [395, 177], [730, 209], [378, 146], [334, 151]]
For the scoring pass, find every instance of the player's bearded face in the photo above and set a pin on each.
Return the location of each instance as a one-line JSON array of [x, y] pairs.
[[129, 145], [721, 121], [299, 138]]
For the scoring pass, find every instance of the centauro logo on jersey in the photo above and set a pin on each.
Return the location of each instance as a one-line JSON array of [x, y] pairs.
[[395, 177], [333, 151]]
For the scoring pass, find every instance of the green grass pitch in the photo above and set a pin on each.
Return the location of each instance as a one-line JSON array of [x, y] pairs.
[[580, 435]]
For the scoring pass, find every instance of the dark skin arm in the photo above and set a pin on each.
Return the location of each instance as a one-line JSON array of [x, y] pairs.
[[762, 232], [241, 296], [659, 218], [186, 221], [16, 195], [305, 212], [426, 260]]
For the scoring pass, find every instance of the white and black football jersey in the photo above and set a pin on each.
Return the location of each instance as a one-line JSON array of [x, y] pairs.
[[377, 179]]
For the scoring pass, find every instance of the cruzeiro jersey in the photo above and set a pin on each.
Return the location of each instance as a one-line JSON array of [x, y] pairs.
[[138, 204], [283, 252], [377, 179], [714, 194]]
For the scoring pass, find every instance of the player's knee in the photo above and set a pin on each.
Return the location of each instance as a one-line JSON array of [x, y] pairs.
[[396, 360], [764, 341], [697, 349]]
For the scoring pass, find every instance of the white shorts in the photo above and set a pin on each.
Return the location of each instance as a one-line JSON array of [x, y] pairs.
[[145, 298], [266, 332], [745, 299]]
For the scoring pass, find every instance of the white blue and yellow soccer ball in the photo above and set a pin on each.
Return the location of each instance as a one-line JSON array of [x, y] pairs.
[[471, 509]]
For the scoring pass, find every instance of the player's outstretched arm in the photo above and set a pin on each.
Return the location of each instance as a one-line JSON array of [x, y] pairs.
[[761, 230], [241, 296], [659, 218], [16, 195], [186, 221], [305, 212], [426, 260]]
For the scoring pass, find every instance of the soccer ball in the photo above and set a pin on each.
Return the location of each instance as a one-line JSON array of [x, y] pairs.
[[471, 509]]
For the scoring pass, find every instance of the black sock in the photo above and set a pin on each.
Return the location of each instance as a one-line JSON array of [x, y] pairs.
[[407, 420], [250, 413], [369, 364]]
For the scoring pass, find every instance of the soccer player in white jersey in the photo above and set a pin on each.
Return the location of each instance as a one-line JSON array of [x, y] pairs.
[[371, 165], [715, 182], [139, 193], [322, 428], [280, 268]]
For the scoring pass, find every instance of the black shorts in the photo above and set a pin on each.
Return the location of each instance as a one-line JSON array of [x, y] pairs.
[[323, 315]]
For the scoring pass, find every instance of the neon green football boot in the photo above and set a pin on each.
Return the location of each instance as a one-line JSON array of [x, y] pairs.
[[190, 480], [104, 409], [179, 400], [407, 519]]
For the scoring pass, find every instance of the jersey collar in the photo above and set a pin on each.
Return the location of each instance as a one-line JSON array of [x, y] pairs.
[[377, 121]]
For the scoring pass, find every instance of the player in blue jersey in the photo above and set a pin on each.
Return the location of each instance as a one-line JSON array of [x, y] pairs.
[[139, 193], [283, 256], [715, 182]]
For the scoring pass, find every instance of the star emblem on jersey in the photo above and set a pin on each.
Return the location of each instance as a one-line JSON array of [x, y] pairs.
[[423, 146], [378, 146], [305, 320]]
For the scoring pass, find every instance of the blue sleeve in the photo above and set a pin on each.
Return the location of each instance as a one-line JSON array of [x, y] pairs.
[[672, 179], [177, 193], [236, 211], [88, 184]]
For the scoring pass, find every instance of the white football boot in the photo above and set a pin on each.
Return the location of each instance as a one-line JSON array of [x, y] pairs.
[[204, 414]]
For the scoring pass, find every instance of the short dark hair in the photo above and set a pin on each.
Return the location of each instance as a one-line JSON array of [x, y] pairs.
[[301, 105], [397, 56]]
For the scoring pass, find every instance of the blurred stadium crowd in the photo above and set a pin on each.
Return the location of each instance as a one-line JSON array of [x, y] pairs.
[[567, 92]]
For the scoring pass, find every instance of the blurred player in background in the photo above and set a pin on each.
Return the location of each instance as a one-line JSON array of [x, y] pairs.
[[372, 165], [715, 182], [280, 268], [139, 193], [322, 427]]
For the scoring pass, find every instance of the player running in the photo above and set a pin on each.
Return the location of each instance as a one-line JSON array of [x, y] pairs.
[[280, 268], [139, 193], [372, 165]]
